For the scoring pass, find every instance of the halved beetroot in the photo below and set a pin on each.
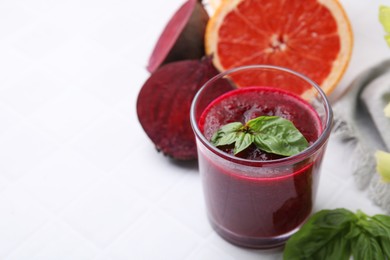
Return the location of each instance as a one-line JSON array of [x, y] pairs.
[[183, 36], [164, 102]]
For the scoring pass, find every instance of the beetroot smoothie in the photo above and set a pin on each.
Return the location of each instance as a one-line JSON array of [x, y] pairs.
[[249, 204]]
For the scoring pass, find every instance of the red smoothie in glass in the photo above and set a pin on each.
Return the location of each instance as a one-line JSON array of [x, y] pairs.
[[266, 202]]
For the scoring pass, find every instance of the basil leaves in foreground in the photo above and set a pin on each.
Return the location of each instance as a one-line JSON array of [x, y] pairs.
[[271, 134], [340, 234]]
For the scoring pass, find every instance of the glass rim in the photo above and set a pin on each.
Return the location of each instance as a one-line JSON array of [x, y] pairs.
[[321, 140]]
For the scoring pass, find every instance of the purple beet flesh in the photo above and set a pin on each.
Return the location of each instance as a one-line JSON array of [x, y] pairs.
[[164, 102]]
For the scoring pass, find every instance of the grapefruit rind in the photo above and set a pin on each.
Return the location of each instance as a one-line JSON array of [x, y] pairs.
[[340, 64]]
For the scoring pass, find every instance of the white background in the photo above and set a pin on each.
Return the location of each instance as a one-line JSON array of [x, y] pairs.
[[79, 179]]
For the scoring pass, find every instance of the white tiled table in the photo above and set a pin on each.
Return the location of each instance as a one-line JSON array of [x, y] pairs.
[[79, 179]]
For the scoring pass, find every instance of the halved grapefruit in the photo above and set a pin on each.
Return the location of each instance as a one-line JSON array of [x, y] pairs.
[[313, 37]]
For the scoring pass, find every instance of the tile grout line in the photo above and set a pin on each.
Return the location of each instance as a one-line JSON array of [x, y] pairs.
[[129, 227]]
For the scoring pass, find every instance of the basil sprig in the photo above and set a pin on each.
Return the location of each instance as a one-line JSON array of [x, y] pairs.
[[338, 234], [271, 134]]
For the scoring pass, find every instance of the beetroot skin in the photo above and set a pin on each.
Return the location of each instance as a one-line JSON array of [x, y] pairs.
[[183, 36], [164, 102]]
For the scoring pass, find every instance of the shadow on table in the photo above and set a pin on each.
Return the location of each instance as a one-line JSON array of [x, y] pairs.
[[191, 165]]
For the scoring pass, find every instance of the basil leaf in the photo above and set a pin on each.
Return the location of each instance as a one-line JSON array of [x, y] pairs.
[[226, 134], [366, 247], [322, 237], [271, 134], [378, 227], [226, 139], [336, 234], [333, 218], [374, 228], [383, 219], [243, 141], [277, 135], [384, 240], [337, 248], [385, 245], [353, 233]]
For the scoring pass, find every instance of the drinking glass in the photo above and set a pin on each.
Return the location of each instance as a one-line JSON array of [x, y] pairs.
[[253, 203]]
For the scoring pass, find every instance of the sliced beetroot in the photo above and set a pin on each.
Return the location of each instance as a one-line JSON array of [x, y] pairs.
[[183, 36], [163, 105]]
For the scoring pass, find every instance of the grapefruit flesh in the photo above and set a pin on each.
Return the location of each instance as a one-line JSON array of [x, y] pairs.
[[312, 37]]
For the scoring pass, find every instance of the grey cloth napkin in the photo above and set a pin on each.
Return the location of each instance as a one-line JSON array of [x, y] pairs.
[[360, 123]]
